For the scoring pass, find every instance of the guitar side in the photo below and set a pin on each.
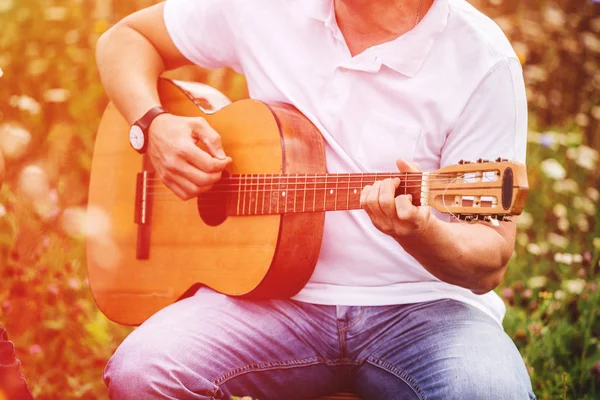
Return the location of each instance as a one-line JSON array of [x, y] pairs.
[[258, 256]]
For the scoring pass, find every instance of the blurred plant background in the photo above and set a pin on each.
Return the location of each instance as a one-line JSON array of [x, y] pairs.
[[51, 102]]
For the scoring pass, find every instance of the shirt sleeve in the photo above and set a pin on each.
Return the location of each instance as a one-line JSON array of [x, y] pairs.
[[494, 121], [204, 31]]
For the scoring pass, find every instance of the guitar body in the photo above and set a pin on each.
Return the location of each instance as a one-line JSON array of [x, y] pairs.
[[254, 256]]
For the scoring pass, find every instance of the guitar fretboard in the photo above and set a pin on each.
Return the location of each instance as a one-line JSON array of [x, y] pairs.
[[262, 194]]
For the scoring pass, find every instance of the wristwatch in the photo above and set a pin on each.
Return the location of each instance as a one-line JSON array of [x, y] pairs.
[[138, 134]]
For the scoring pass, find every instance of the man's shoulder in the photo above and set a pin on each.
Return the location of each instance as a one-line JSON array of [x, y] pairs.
[[474, 27]]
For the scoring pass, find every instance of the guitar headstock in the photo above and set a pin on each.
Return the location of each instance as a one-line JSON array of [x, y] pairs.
[[479, 191]]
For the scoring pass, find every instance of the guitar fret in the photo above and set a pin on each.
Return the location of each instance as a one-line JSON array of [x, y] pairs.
[[348, 193], [257, 194], [325, 194], [315, 193], [238, 199], [305, 190], [262, 208], [337, 178], [285, 192]]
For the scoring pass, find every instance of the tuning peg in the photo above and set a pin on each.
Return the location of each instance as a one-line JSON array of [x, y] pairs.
[[471, 219], [464, 162], [491, 220], [500, 159], [481, 161]]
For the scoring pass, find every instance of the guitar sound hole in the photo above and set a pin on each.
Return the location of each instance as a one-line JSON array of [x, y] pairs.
[[212, 205]]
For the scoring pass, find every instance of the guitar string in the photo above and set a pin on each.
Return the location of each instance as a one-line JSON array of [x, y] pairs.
[[257, 189], [204, 202], [307, 185], [328, 176], [303, 181]]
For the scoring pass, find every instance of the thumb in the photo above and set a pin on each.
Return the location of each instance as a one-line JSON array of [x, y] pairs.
[[407, 166]]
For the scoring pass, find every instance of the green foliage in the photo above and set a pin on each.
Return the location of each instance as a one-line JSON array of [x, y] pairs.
[[51, 101]]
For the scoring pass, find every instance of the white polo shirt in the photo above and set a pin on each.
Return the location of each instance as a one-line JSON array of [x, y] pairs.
[[450, 89]]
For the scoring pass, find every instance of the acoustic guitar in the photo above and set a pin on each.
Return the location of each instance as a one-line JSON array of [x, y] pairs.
[[257, 232]]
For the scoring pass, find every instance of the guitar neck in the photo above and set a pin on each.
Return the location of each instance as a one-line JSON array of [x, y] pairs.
[[263, 194]]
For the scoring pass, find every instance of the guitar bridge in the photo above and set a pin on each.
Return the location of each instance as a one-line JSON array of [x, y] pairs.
[[143, 214]]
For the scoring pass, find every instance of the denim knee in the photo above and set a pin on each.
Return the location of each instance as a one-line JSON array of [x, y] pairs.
[[472, 381], [148, 371]]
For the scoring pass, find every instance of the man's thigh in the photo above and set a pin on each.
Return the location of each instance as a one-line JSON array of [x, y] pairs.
[[213, 346], [439, 350]]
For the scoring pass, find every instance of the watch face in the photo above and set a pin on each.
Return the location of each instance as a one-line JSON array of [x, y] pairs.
[[136, 137]]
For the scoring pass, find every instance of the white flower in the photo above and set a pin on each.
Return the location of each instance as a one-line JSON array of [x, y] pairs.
[[582, 120], [33, 183], [558, 257], [522, 239], [534, 248], [563, 224], [559, 295], [583, 224], [73, 221], [25, 103], [560, 211], [587, 158], [525, 220], [554, 17], [553, 169], [577, 258], [55, 13], [537, 282], [558, 240], [14, 140], [574, 286], [91, 223], [566, 186], [593, 193], [572, 153], [5, 5], [591, 42], [56, 95], [589, 207], [567, 258]]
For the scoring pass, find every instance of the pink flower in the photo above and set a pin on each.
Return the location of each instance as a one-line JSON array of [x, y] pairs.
[[35, 349]]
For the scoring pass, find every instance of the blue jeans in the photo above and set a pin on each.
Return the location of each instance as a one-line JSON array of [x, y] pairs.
[[211, 346]]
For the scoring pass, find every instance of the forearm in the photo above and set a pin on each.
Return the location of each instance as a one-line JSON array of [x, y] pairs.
[[471, 256], [129, 68]]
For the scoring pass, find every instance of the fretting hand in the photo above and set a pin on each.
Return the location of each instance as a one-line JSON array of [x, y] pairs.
[[184, 167], [394, 216]]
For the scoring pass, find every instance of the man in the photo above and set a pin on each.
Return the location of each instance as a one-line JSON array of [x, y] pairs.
[[400, 303]]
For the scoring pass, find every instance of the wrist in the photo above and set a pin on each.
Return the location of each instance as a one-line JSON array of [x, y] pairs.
[[423, 228], [139, 132]]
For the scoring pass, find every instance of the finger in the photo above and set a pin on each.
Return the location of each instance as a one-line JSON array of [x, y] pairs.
[[197, 177], [201, 160], [176, 188], [207, 135], [363, 196], [407, 166], [373, 200], [387, 197], [404, 207]]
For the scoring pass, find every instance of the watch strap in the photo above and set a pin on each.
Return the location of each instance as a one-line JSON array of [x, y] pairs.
[[145, 122]]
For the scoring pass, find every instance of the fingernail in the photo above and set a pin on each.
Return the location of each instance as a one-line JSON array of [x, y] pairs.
[[220, 154]]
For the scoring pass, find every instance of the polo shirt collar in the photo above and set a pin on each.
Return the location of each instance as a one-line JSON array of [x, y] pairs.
[[405, 54]]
